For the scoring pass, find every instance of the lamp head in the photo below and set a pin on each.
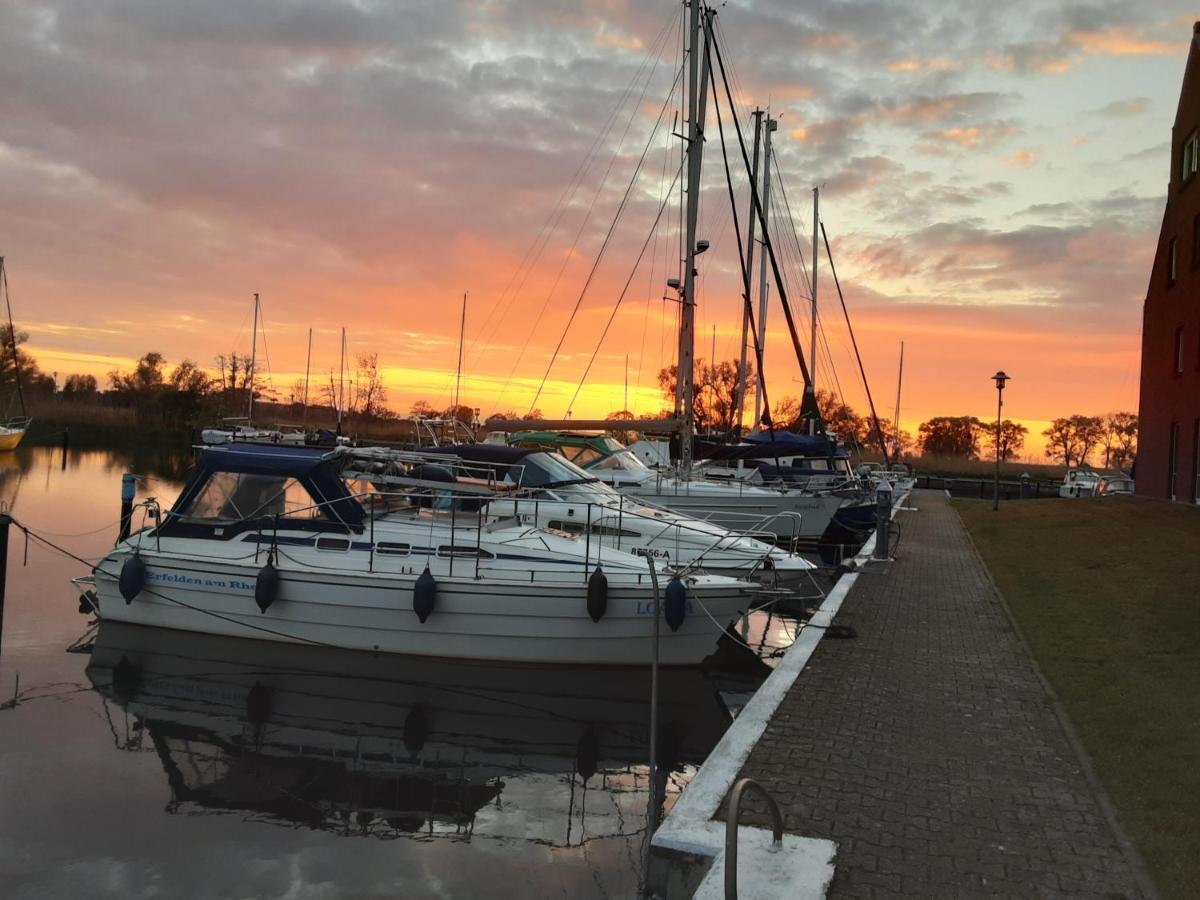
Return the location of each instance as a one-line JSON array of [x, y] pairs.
[[1001, 379]]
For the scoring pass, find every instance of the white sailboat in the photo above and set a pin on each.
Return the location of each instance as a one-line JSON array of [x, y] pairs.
[[13, 428], [548, 491], [269, 542]]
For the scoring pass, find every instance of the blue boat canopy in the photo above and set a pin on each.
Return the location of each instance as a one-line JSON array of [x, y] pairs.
[[317, 471]]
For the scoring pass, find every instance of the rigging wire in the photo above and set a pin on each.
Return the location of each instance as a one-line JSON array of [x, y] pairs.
[[583, 226], [768, 244], [604, 245], [555, 216], [737, 229], [637, 263]]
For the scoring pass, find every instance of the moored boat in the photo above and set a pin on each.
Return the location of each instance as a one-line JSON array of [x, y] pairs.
[[269, 542], [546, 490]]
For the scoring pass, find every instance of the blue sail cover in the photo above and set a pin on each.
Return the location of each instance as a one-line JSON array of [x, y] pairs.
[[760, 446], [317, 470]]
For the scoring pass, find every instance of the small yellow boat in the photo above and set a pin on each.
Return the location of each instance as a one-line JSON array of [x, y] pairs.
[[11, 432]]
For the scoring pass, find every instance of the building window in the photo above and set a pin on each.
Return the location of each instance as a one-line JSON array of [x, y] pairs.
[[1179, 350], [1196, 241], [1189, 157], [1172, 260], [1172, 460]]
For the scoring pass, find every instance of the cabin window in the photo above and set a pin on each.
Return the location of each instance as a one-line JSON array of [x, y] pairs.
[[391, 548], [1189, 157], [333, 543], [1172, 260], [1196, 241], [597, 528], [233, 497], [1179, 350], [586, 456], [459, 552]]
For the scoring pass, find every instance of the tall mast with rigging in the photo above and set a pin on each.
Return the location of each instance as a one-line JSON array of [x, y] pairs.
[[685, 385], [896, 418], [765, 204], [741, 390], [253, 361], [462, 333], [307, 370], [811, 387], [341, 398]]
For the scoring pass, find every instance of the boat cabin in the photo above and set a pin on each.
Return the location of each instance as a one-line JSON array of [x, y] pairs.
[[243, 487], [594, 451]]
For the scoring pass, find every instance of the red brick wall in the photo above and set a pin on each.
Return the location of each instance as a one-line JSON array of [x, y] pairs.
[[1168, 396]]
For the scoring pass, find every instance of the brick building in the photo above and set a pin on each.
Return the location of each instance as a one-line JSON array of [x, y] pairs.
[[1168, 461]]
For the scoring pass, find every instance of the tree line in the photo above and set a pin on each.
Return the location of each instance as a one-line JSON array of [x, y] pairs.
[[186, 393], [1072, 440]]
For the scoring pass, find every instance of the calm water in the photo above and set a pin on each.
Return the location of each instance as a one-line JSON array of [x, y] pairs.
[[170, 765]]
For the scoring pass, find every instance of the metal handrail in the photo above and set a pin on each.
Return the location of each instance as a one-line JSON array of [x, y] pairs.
[[731, 829]]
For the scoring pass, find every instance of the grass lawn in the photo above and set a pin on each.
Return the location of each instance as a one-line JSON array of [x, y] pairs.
[[1107, 593]]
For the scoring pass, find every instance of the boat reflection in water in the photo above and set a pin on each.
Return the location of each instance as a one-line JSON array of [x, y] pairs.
[[386, 746]]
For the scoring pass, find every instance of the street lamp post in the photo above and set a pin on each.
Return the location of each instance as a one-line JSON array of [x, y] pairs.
[[1000, 378]]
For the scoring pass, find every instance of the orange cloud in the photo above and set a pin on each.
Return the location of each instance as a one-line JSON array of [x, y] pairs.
[[1114, 43], [1025, 158]]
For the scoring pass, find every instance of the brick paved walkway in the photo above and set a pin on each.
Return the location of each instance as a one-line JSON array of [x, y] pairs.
[[927, 747]]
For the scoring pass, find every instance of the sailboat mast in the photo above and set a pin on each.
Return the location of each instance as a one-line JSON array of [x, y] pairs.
[[307, 370], [685, 385], [899, 382], [341, 400], [12, 337], [253, 362], [625, 407], [741, 389], [812, 346], [462, 331], [765, 203]]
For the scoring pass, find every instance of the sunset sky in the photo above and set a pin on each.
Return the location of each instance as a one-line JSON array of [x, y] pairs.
[[993, 177]]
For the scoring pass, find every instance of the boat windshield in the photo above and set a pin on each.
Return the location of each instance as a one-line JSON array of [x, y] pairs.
[[622, 460], [235, 497], [547, 470]]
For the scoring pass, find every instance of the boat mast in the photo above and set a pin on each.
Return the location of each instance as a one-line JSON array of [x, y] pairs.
[[12, 337], [307, 370], [812, 346], [896, 418], [772, 125], [341, 398], [685, 385], [740, 405], [462, 331], [253, 360]]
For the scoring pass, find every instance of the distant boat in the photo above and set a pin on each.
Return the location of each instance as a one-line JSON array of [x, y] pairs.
[[13, 428]]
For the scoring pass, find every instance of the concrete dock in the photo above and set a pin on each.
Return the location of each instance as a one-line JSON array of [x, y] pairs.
[[929, 748]]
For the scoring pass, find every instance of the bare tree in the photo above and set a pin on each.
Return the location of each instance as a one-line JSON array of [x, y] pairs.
[[370, 393]]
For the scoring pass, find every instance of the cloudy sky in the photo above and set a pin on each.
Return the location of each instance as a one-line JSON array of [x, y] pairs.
[[992, 181]]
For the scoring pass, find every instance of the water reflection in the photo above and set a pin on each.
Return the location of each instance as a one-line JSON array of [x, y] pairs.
[[389, 747]]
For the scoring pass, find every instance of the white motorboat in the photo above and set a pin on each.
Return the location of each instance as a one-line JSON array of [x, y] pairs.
[[269, 542], [792, 517], [547, 491], [234, 433]]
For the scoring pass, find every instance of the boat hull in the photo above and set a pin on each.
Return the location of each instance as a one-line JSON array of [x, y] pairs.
[[542, 620], [786, 517]]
